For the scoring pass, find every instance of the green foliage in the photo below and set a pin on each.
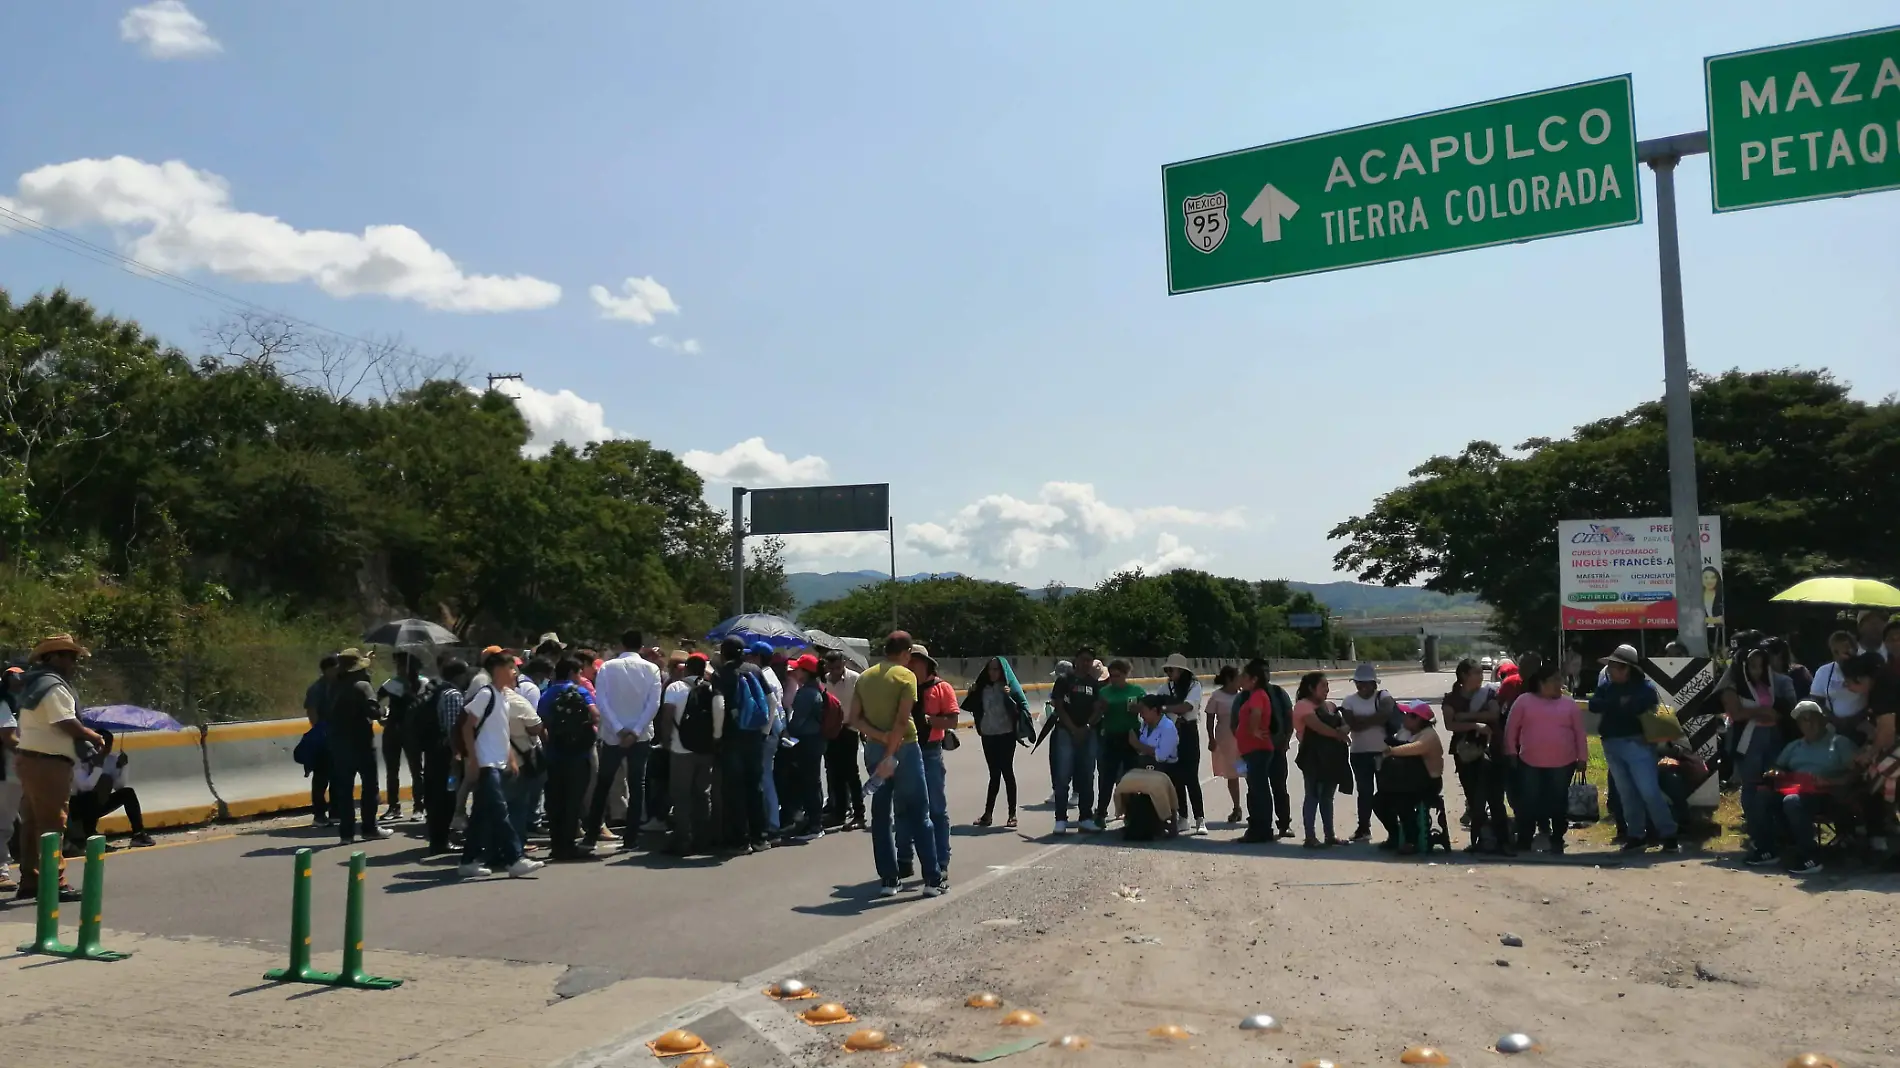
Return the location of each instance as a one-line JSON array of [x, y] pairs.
[[1804, 478], [956, 616], [261, 478]]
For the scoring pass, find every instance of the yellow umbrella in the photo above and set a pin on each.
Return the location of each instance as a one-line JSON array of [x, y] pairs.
[[1857, 592]]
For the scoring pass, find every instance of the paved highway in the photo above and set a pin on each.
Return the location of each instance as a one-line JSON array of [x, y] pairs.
[[628, 916]]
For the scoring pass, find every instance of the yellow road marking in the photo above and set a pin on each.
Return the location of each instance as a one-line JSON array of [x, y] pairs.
[[170, 845]]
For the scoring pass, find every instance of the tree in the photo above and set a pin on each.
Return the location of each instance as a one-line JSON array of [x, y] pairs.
[[955, 616], [1796, 468]]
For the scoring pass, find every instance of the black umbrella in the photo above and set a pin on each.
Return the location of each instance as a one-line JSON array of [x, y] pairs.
[[406, 632]]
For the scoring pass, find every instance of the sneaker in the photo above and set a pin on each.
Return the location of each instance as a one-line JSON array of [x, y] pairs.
[[143, 840], [1806, 867], [1760, 858], [1362, 834], [1090, 826], [1234, 816], [473, 871], [1670, 845], [1200, 826], [1634, 845], [887, 888], [1310, 843], [392, 813], [524, 867], [374, 834], [1062, 826], [938, 888], [607, 834]]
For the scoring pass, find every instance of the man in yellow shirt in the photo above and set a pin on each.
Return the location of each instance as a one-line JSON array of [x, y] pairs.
[[49, 729], [880, 712]]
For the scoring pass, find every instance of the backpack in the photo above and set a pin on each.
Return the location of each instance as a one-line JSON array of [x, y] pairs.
[[833, 723], [755, 706], [569, 720], [425, 724], [695, 732]]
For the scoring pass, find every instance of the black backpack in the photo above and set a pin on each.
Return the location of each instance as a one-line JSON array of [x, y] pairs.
[[696, 719], [570, 721]]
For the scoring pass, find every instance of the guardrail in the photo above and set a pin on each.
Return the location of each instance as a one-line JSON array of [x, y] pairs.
[[234, 771]]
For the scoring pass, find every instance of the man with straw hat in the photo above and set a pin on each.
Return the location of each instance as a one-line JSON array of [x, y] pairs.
[[50, 740]]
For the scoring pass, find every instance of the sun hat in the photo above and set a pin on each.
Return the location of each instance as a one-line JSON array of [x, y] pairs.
[[57, 643], [1176, 660], [1365, 673], [1625, 655], [919, 649]]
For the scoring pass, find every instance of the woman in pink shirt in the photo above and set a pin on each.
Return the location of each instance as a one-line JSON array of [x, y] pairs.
[[1544, 732]]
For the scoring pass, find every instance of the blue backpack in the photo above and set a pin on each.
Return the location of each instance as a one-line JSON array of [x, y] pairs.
[[755, 704]]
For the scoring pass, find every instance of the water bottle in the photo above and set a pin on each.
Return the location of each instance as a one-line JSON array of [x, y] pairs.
[[454, 783], [872, 783]]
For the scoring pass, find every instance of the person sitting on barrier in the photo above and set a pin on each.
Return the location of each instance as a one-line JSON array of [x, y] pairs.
[[1147, 794], [1412, 774], [100, 788]]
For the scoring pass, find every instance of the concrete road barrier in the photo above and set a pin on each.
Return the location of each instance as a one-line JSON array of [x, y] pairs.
[[167, 768]]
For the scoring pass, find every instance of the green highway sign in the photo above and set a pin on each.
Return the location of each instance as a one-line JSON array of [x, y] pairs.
[[1560, 161], [1805, 121]]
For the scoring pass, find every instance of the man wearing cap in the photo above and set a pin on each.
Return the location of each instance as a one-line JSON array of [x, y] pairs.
[[844, 808], [352, 718], [881, 711], [1620, 704], [1371, 714], [50, 736], [1078, 712], [936, 715], [627, 691]]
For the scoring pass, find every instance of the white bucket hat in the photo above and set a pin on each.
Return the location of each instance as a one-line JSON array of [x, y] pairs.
[[1365, 673], [1176, 660]]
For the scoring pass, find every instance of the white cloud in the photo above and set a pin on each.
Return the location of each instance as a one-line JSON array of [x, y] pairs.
[[751, 463], [166, 29], [552, 417], [1003, 531], [687, 347], [1170, 554], [644, 298], [184, 221]]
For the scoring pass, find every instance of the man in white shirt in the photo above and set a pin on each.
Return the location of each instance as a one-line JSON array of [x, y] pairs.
[[627, 691], [1369, 713], [690, 766], [845, 805], [490, 842]]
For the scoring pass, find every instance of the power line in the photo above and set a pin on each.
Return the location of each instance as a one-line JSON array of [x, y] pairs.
[[66, 241]]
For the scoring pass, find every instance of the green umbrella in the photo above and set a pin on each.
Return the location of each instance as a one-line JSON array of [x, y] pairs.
[[1840, 590]]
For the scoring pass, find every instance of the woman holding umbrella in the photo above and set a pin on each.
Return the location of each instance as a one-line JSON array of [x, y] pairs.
[[997, 705]]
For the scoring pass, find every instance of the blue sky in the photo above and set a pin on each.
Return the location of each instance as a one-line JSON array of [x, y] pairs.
[[886, 242]]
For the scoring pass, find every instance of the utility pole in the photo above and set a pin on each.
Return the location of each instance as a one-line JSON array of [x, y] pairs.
[[1662, 154], [738, 550], [494, 378]]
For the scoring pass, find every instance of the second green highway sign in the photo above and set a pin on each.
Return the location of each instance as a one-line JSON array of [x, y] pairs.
[[1560, 161]]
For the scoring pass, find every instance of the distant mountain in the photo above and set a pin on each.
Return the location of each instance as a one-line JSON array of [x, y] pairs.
[[810, 587], [1343, 598]]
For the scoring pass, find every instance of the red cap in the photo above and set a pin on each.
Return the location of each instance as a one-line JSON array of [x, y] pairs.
[[807, 662], [1421, 709]]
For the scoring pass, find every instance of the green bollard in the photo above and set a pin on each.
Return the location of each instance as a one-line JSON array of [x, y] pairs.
[[353, 974], [46, 930], [299, 970], [92, 905]]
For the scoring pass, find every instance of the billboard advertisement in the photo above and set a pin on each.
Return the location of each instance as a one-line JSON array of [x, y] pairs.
[[1620, 574]]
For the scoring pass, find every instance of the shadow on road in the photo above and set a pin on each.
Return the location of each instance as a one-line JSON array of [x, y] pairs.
[[853, 899]]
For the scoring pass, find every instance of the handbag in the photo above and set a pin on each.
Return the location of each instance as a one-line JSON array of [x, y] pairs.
[[532, 762], [1581, 805], [950, 742]]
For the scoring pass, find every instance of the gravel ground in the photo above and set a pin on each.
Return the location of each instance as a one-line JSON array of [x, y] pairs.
[[1684, 962]]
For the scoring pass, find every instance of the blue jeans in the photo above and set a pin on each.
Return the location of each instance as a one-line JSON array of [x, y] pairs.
[[1319, 800], [1633, 768], [768, 759], [909, 797], [1075, 767], [939, 809], [1797, 819], [523, 794], [489, 838], [1758, 801]]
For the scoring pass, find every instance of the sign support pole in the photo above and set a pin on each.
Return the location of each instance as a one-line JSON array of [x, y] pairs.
[[1662, 155], [738, 550], [891, 525]]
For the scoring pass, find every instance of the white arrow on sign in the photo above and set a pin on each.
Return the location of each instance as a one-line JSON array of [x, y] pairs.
[[1267, 210]]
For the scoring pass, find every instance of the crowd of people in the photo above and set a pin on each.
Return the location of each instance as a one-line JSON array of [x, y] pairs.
[[753, 746]]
